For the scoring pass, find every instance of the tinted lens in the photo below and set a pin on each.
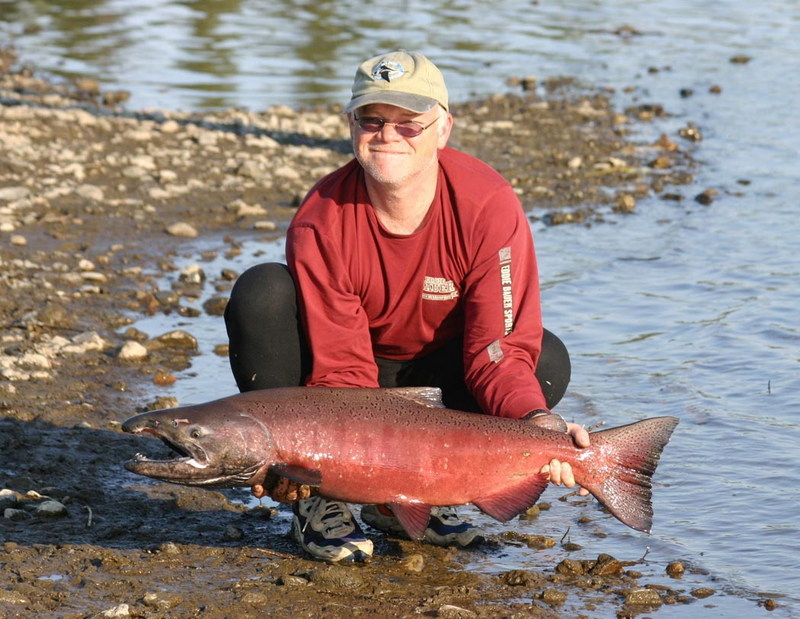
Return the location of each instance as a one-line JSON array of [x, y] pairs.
[[408, 129], [371, 125]]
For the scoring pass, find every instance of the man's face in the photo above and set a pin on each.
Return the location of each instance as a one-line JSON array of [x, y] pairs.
[[391, 158]]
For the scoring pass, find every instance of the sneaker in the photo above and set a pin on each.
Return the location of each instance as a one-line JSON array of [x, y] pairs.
[[444, 529], [326, 530]]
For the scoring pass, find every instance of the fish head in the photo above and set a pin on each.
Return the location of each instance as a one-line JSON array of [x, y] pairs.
[[217, 446]]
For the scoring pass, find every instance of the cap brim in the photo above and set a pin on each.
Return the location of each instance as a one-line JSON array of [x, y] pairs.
[[414, 103]]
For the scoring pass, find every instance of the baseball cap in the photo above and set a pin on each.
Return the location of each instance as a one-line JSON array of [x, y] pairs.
[[405, 79]]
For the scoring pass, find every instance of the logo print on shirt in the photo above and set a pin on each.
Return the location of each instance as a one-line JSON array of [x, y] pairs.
[[504, 256], [438, 289], [387, 70]]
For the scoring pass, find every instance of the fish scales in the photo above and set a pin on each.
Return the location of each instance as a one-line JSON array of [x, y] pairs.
[[399, 447]]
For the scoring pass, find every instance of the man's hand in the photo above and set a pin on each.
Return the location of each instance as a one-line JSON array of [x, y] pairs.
[[561, 472], [281, 489]]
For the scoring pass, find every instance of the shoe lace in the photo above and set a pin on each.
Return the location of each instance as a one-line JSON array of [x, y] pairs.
[[334, 515], [447, 514]]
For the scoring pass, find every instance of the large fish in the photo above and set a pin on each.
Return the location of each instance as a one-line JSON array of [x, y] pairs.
[[398, 447]]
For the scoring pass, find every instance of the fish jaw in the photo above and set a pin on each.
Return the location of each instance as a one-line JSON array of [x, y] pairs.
[[220, 451]]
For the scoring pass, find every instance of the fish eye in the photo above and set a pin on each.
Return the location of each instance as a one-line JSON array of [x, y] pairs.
[[195, 433]]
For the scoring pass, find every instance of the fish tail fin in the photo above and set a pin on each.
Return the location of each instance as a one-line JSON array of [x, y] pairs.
[[622, 482]]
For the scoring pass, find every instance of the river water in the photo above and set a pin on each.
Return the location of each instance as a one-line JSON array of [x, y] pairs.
[[680, 309]]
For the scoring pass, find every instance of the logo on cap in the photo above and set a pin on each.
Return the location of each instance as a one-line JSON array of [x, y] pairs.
[[387, 70]]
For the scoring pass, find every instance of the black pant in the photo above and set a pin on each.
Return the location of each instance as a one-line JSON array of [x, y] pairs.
[[268, 347]]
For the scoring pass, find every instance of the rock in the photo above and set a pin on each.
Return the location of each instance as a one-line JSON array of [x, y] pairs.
[[215, 306], [51, 509], [161, 402], [123, 610], [570, 567], [164, 378], [169, 548], [12, 194], [336, 578], [606, 565], [520, 578], [18, 240], [642, 597], [450, 611], [178, 339], [193, 274], [85, 342], [706, 197], [675, 569], [11, 513], [233, 534], [288, 580], [242, 209], [132, 351], [182, 229], [703, 592], [90, 192], [265, 226], [553, 597], [414, 563]]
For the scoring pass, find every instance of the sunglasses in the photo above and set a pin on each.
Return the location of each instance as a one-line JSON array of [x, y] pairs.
[[407, 128]]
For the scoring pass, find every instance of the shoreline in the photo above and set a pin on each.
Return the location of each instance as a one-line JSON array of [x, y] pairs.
[[96, 203]]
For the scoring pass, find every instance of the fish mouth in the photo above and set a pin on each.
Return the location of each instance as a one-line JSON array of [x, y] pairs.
[[190, 462]]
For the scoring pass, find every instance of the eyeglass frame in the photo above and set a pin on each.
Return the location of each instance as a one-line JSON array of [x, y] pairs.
[[405, 124]]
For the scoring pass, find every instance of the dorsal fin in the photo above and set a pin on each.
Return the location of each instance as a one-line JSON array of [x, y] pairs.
[[426, 396]]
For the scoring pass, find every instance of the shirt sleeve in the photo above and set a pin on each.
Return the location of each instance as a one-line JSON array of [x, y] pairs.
[[503, 322], [335, 322]]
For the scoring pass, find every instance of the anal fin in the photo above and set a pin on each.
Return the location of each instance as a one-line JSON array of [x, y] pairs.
[[413, 516], [512, 501]]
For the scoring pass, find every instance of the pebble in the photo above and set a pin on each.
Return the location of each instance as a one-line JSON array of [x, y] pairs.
[[643, 597], [12, 194], [14, 514], [122, 610], [703, 592], [163, 378], [193, 274], [90, 192], [18, 240], [132, 351], [450, 611], [675, 569], [414, 563], [553, 597], [288, 580], [51, 509], [182, 229], [178, 338]]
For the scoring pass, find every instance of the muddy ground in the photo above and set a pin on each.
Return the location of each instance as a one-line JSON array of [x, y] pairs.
[[96, 202]]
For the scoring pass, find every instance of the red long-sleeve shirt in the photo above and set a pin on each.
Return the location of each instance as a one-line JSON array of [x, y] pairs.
[[469, 270]]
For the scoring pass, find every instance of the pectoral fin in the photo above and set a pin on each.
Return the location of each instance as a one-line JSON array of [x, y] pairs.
[[505, 505], [413, 516], [308, 477]]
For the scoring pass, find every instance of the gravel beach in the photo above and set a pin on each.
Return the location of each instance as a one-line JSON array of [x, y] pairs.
[[96, 202]]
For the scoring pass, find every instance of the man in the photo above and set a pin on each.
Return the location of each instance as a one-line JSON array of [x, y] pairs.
[[411, 265]]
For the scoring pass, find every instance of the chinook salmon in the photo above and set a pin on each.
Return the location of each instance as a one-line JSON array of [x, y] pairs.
[[398, 447]]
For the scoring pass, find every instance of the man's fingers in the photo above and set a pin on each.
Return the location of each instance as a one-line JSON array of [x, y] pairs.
[[567, 478], [560, 473], [579, 435]]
